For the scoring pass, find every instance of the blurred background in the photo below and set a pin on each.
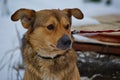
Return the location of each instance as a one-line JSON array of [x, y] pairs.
[[12, 32]]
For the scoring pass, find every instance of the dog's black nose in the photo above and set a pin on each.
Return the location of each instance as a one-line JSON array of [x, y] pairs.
[[64, 42]]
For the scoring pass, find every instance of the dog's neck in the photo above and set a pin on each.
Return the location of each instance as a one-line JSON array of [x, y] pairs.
[[55, 57]]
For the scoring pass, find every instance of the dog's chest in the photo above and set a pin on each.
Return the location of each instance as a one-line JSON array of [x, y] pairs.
[[56, 76], [57, 70], [51, 77]]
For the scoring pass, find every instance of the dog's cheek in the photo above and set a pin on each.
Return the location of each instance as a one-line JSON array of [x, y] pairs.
[[35, 40]]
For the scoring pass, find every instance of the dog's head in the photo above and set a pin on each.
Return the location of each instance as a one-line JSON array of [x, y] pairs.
[[48, 30]]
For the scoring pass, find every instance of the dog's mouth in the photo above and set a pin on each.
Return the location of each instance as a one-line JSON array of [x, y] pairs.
[[58, 48], [54, 52]]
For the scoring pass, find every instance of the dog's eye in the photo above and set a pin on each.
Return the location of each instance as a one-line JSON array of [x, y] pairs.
[[50, 27], [67, 27]]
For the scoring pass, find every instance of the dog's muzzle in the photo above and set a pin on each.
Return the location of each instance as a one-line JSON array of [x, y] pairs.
[[64, 43]]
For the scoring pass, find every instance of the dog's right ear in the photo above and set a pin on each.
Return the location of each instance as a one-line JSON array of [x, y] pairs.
[[26, 16], [77, 13]]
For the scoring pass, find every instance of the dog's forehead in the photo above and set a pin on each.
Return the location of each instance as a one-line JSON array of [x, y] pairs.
[[48, 13], [44, 15]]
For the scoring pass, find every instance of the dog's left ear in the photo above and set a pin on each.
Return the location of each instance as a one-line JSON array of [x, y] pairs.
[[26, 16], [77, 13]]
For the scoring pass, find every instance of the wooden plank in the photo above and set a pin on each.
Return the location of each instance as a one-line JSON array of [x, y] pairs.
[[101, 48]]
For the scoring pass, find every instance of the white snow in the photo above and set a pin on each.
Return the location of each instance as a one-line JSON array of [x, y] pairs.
[[8, 35]]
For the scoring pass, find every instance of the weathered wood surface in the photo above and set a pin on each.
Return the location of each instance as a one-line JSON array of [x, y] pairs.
[[102, 48]]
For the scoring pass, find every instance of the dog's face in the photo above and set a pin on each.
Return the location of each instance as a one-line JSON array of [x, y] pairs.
[[48, 30]]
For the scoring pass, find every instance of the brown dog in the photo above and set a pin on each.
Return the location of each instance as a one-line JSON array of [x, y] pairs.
[[47, 44]]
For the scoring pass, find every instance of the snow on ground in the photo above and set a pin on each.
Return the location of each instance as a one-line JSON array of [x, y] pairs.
[[8, 36]]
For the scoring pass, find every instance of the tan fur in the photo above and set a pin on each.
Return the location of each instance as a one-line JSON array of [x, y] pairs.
[[39, 40]]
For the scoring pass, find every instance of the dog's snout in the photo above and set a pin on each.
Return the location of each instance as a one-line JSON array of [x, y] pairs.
[[64, 42]]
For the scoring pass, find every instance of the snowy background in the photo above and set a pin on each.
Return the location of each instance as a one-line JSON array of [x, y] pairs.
[[9, 43]]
